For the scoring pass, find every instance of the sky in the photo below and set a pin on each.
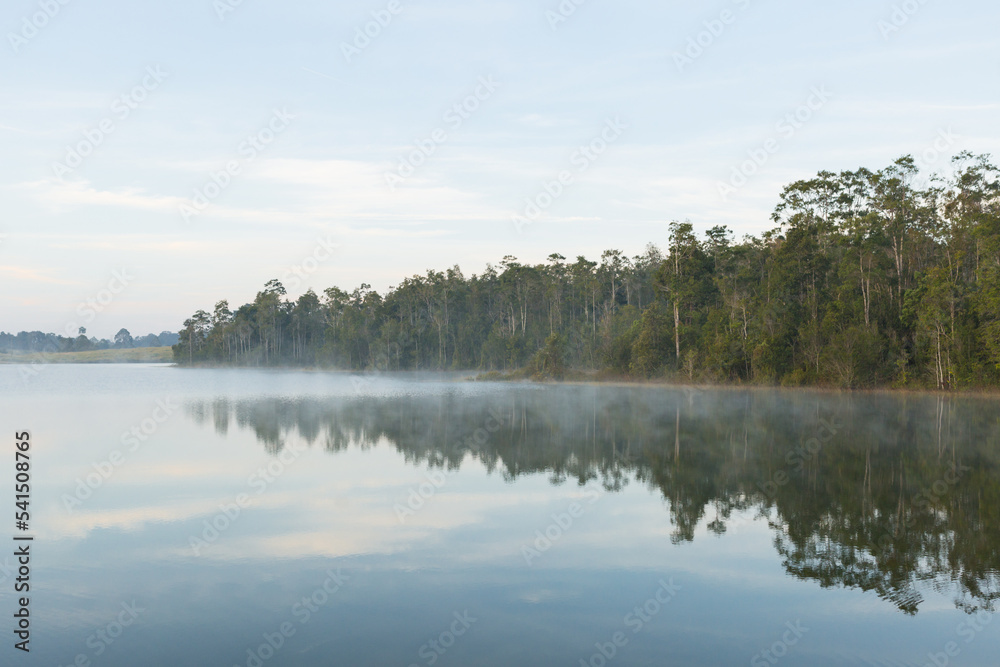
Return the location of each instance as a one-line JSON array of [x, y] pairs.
[[160, 157]]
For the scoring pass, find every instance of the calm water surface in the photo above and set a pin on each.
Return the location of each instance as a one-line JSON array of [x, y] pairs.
[[239, 517]]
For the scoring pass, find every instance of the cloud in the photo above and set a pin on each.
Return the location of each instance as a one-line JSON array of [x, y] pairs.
[[299, 191], [82, 193], [24, 274]]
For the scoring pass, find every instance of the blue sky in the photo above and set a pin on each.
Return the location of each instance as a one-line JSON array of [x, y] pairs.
[[882, 79]]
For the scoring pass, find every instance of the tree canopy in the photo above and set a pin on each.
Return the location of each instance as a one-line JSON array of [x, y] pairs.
[[868, 278]]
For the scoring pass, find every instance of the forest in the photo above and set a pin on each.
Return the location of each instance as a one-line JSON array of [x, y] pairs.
[[865, 279], [36, 341]]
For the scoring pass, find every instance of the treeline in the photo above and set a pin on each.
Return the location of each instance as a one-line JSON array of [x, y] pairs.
[[37, 341], [869, 278]]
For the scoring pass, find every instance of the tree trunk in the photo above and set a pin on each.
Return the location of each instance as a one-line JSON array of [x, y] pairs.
[[677, 331]]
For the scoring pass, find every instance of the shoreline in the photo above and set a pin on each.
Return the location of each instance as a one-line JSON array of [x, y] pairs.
[[133, 355], [472, 375]]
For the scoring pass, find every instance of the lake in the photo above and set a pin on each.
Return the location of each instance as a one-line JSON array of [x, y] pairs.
[[252, 517]]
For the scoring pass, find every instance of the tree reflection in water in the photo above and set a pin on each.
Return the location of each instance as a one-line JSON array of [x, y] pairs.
[[887, 493]]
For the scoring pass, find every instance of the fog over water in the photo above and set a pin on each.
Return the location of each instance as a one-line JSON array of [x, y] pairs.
[[381, 518]]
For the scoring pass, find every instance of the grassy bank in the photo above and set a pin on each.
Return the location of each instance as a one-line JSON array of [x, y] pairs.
[[134, 355]]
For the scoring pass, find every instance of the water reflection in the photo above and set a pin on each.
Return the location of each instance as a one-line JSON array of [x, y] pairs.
[[889, 494]]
